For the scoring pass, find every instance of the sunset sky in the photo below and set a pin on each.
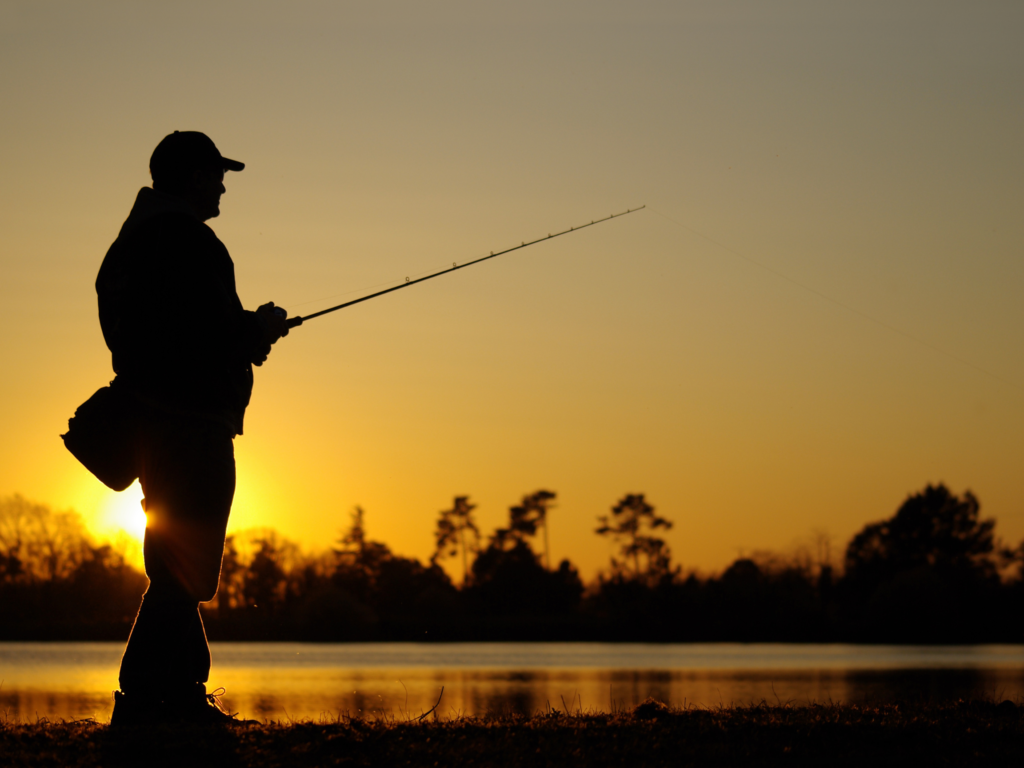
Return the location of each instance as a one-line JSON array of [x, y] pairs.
[[818, 313]]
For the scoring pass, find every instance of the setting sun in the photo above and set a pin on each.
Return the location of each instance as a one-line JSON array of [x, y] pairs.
[[122, 512]]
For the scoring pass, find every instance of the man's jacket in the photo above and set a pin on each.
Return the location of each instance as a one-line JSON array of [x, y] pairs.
[[177, 332]]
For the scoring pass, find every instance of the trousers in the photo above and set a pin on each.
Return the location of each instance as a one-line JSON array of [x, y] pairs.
[[187, 472]]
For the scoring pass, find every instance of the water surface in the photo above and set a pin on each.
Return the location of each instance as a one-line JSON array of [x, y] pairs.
[[281, 681]]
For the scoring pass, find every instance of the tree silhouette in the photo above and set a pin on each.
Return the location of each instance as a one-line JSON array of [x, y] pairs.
[[530, 515], [934, 572], [508, 581], [508, 577], [933, 528], [265, 583], [371, 590], [358, 560], [631, 525], [37, 544], [1017, 560], [56, 582], [930, 573], [259, 568], [103, 588], [457, 531], [229, 591], [354, 539]]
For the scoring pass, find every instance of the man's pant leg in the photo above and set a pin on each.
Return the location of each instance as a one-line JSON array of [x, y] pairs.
[[187, 472]]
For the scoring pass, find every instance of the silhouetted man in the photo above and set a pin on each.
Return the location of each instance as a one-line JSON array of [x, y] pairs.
[[183, 350]]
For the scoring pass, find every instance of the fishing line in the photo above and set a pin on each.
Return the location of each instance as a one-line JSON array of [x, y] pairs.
[[838, 303]]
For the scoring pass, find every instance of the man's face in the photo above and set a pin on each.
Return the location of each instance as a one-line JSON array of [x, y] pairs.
[[206, 191]]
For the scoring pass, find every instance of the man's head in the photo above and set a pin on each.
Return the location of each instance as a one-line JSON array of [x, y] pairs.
[[187, 164]]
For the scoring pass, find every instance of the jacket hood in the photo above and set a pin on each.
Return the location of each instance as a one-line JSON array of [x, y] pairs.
[[149, 203]]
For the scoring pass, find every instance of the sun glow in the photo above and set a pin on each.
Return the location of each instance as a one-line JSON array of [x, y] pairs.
[[122, 513]]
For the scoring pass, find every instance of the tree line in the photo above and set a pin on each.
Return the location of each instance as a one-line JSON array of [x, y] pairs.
[[934, 572]]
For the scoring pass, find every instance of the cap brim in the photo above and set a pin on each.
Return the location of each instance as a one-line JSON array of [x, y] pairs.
[[232, 165]]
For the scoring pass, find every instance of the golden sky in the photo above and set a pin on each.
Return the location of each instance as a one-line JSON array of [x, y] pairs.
[[869, 152]]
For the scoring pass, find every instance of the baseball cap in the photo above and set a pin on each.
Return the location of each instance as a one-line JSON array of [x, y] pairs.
[[187, 151]]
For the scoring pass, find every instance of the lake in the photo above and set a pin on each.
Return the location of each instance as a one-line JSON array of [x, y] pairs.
[[296, 681]]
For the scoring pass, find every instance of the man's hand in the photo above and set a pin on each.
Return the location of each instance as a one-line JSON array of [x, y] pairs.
[[274, 322]]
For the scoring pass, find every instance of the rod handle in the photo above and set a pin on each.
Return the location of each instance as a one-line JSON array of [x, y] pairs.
[[292, 321]]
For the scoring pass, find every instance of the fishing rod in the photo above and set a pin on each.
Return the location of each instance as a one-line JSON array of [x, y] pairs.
[[296, 321]]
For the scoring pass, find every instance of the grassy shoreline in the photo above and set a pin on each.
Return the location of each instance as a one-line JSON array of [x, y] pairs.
[[951, 733]]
